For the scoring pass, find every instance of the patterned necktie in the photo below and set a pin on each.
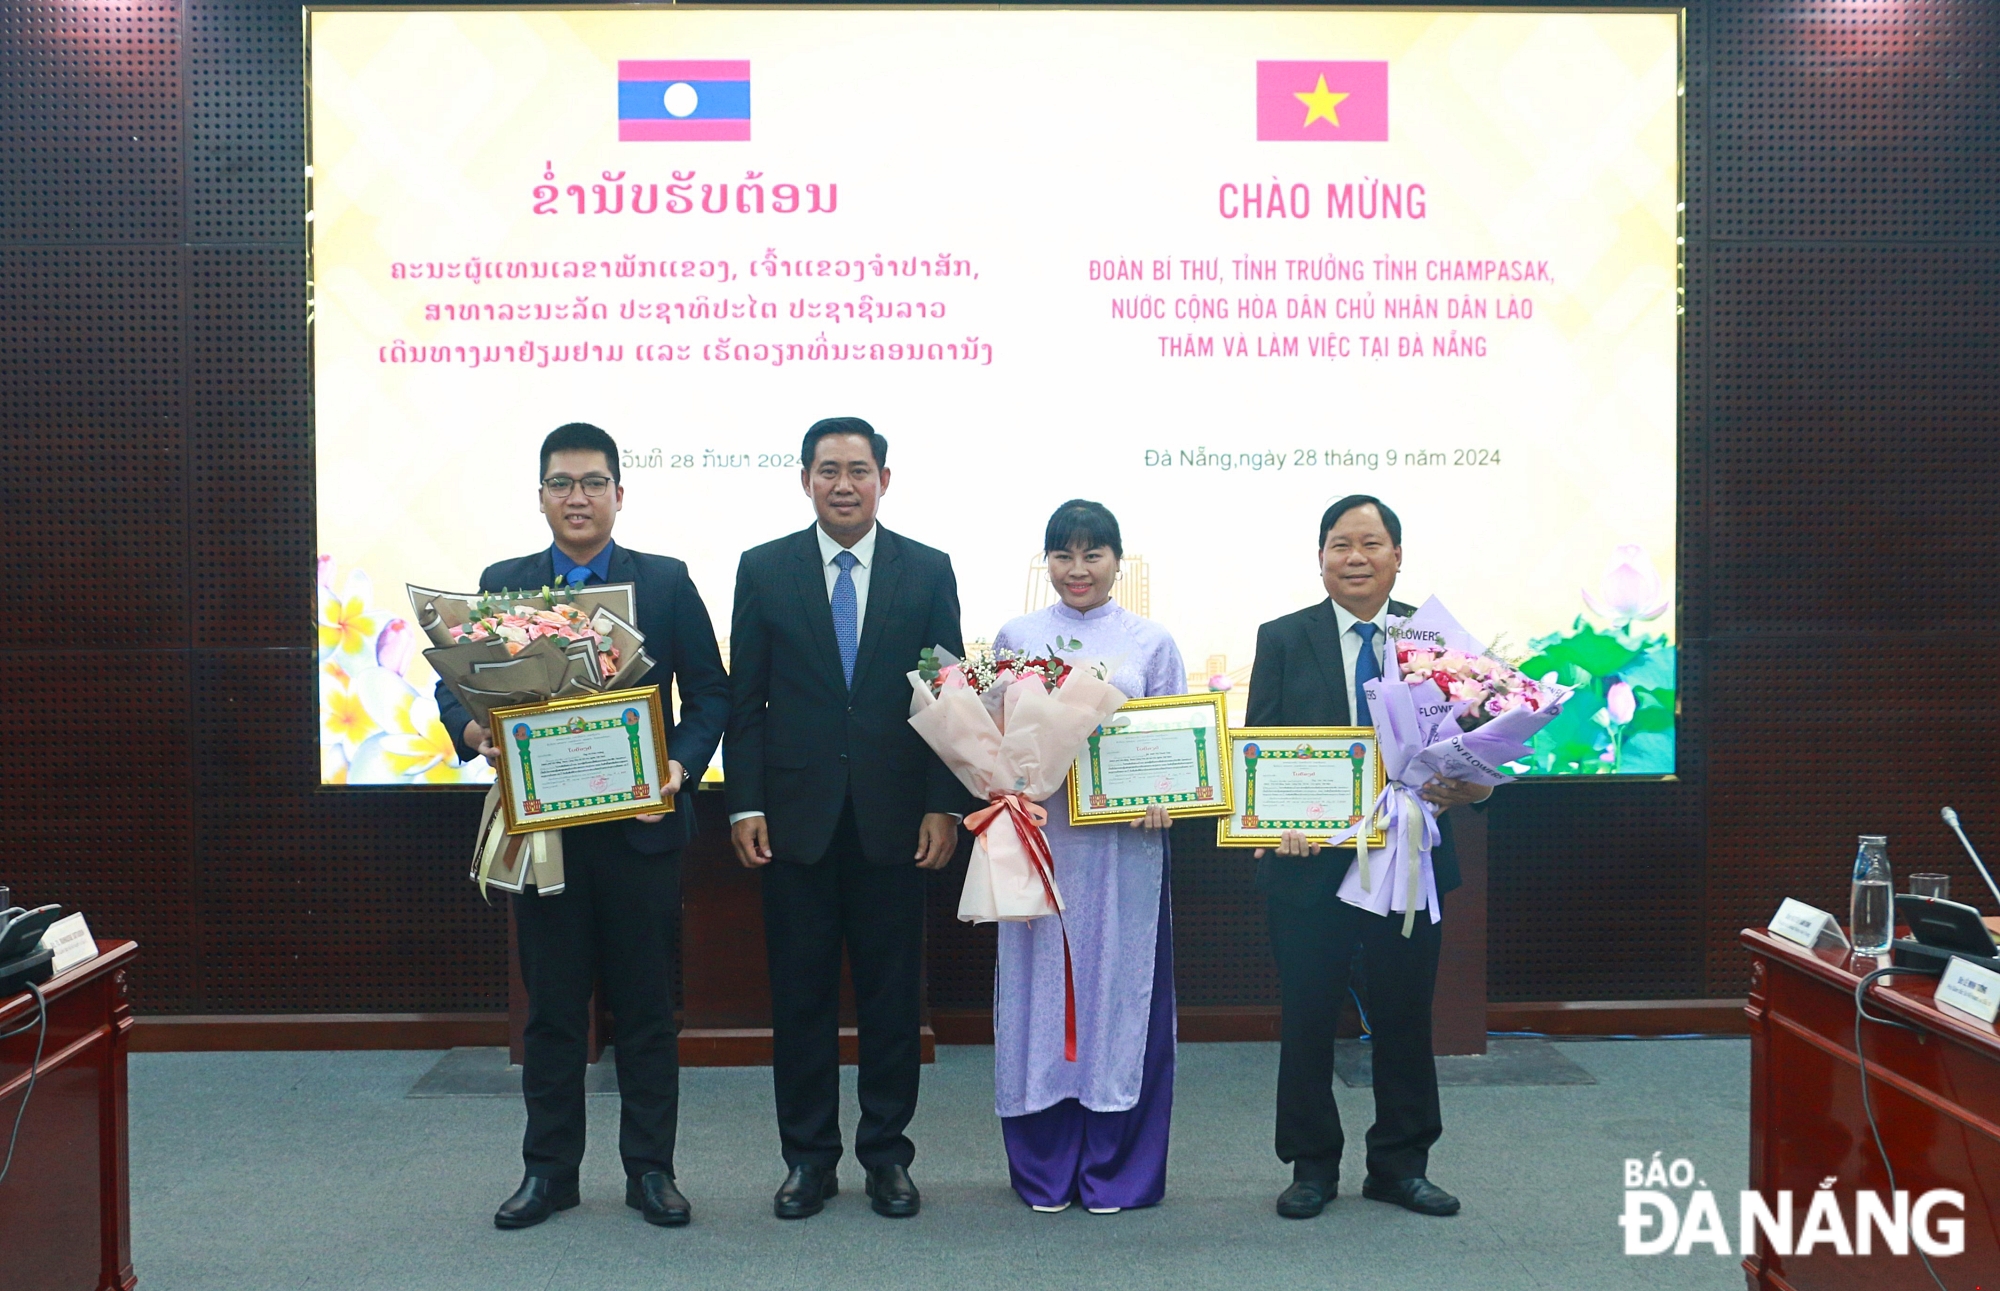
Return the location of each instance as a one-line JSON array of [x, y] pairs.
[[1366, 669], [846, 614]]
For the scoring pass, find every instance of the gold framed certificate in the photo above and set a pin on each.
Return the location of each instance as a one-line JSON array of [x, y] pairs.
[[1318, 780], [1163, 751], [583, 759]]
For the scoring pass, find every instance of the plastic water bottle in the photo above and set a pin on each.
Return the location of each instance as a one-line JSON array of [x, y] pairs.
[[1871, 921]]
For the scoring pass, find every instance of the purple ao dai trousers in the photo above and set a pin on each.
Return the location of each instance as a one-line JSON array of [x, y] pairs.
[[1068, 1153], [1093, 1130]]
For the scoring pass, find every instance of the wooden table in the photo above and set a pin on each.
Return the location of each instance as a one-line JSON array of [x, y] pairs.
[[1936, 1094], [65, 1208]]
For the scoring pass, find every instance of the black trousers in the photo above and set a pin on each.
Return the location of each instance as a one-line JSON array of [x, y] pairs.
[[617, 921], [877, 911], [1315, 947]]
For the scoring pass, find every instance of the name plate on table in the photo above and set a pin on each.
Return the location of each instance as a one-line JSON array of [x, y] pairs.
[[1163, 751], [1318, 780], [1809, 926], [582, 760], [1970, 988], [69, 937]]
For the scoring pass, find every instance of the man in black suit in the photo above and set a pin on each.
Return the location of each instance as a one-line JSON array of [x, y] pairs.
[[841, 805], [1309, 672], [618, 917]]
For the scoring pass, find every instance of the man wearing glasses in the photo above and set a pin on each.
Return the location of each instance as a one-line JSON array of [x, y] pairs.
[[618, 918]]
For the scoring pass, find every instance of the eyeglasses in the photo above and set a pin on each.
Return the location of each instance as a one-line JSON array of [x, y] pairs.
[[594, 486]]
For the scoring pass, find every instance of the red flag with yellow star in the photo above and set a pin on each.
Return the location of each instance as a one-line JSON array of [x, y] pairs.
[[1334, 102]]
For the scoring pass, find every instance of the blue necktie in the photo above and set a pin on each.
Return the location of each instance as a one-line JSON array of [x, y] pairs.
[[1366, 669], [846, 614], [577, 577]]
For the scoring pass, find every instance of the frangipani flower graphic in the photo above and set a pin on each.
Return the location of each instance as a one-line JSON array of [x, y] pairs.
[[1631, 589], [395, 646], [345, 624], [344, 721], [411, 746], [332, 764]]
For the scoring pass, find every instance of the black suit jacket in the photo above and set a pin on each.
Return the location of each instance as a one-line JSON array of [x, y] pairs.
[[681, 641], [801, 743], [1300, 679]]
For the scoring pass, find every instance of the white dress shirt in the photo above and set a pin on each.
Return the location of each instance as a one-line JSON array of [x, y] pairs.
[[864, 553], [1350, 646]]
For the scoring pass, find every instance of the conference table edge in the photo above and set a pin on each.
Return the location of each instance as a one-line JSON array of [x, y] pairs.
[[104, 972], [1829, 969]]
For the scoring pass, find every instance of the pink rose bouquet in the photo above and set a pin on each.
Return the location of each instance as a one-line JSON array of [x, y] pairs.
[[519, 626], [1447, 710], [1009, 726], [1487, 686]]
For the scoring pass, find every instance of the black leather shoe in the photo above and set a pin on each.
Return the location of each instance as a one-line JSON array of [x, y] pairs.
[[1418, 1194], [804, 1191], [654, 1196], [1306, 1198], [891, 1191], [535, 1200]]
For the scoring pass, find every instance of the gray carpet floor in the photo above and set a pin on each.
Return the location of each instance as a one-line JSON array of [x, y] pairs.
[[316, 1170]]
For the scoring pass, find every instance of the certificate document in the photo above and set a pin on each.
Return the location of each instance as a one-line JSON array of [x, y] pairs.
[[582, 760], [1164, 751], [1317, 780]]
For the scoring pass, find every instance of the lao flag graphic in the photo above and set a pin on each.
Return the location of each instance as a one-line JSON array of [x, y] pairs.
[[1332, 102], [683, 100]]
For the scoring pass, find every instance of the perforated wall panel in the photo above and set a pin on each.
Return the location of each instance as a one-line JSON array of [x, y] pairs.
[[1853, 440], [1853, 411], [1840, 452], [90, 121], [1845, 119], [958, 956], [91, 465], [101, 819], [1884, 768], [246, 121], [250, 461]]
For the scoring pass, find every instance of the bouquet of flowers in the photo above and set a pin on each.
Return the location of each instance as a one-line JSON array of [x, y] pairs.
[[1009, 726], [520, 626], [1449, 709], [493, 649], [496, 649], [1486, 685]]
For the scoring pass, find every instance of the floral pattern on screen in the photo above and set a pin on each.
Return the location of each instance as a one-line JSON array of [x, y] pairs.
[[378, 716], [1624, 673]]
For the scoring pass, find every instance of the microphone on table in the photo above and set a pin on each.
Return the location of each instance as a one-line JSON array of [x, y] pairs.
[[1951, 818]]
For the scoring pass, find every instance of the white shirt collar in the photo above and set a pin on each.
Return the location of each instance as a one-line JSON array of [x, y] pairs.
[[864, 549], [1347, 621]]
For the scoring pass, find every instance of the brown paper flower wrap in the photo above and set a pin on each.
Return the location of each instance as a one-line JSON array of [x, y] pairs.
[[496, 649]]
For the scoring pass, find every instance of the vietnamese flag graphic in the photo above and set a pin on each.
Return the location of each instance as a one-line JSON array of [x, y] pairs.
[[670, 100], [1332, 102]]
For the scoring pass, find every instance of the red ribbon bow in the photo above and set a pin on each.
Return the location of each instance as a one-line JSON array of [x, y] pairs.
[[1028, 819]]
